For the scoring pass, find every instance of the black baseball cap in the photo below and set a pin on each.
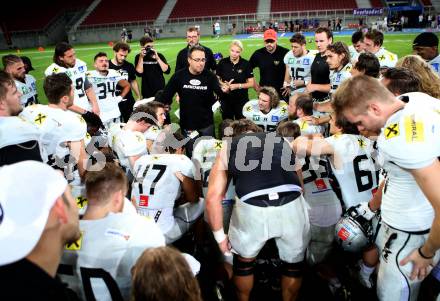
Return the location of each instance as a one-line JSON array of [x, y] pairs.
[[27, 61], [426, 39]]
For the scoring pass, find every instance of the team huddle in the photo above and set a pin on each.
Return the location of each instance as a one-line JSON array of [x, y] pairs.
[[337, 155]]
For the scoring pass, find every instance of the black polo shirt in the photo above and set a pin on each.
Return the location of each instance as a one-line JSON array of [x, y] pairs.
[[271, 65], [23, 280], [128, 72], [152, 77], [196, 94], [320, 75], [182, 59], [240, 72]]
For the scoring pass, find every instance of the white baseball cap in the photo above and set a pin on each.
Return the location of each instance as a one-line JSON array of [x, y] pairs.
[[28, 191]]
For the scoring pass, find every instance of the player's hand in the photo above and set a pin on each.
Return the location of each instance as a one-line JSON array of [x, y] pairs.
[[225, 245], [155, 56], [311, 119], [179, 175], [310, 88], [285, 91], [421, 266]]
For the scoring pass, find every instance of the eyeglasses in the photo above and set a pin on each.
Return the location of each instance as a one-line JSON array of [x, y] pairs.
[[198, 60]]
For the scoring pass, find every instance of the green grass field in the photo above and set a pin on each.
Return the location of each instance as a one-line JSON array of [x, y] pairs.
[[397, 43]]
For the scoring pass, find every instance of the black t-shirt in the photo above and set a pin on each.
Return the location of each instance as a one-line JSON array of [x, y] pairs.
[[28, 150], [275, 162], [128, 72], [196, 97], [271, 65], [182, 59], [23, 280], [320, 75], [240, 72], [152, 77]]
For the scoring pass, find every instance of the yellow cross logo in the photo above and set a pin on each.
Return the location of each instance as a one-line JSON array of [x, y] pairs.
[[40, 119]]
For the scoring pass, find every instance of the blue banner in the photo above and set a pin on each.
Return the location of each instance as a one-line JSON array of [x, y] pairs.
[[368, 11]]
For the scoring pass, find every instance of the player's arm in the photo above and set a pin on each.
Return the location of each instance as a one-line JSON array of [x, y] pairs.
[[311, 147], [140, 63], [310, 87], [191, 188], [218, 184], [162, 62], [78, 151], [91, 96], [287, 80], [427, 178], [325, 106], [135, 87], [125, 85]]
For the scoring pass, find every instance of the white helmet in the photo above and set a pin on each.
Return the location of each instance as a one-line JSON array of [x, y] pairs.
[[353, 231]]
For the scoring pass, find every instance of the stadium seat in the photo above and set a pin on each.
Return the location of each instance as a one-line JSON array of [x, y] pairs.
[[289, 5], [376, 3], [189, 8], [46, 12], [112, 11]]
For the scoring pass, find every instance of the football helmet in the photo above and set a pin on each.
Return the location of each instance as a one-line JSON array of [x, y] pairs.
[[353, 231]]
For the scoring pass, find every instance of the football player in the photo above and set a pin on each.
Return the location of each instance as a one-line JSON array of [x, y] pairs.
[[266, 111], [426, 45], [357, 45], [62, 131], [25, 83], [408, 239], [127, 139], [373, 43], [298, 64], [20, 139], [65, 61], [104, 81], [301, 107], [338, 60], [111, 240], [159, 180]]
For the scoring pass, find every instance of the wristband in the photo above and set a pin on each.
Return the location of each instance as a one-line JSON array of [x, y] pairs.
[[239, 86], [421, 254], [219, 235]]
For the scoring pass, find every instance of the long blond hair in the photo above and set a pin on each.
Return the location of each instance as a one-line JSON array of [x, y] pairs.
[[430, 81]]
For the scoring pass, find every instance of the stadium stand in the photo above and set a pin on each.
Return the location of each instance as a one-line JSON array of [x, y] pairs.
[[426, 2], [46, 12], [377, 3], [190, 8], [288, 5], [111, 11]]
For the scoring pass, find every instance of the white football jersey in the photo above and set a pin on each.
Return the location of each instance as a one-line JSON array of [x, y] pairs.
[[205, 152], [78, 76], [16, 130], [354, 167], [299, 67], [386, 58], [152, 133], [58, 127], [435, 64], [126, 144], [308, 128], [100, 262], [325, 208], [156, 186], [337, 77], [104, 87], [409, 140], [28, 89], [268, 122]]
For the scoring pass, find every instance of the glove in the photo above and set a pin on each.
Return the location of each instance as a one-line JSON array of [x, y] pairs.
[[364, 210], [92, 119]]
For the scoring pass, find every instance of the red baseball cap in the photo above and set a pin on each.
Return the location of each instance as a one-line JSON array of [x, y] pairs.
[[270, 34]]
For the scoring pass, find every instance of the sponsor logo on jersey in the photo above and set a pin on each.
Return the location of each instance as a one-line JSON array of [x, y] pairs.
[[413, 130], [239, 71], [381, 58], [248, 109], [275, 118], [291, 61], [81, 68], [218, 145], [343, 234], [276, 63], [69, 73], [75, 246], [392, 131], [195, 82], [143, 201], [362, 143], [304, 125], [435, 66], [115, 232], [34, 86], [81, 202], [195, 87], [40, 119], [306, 62], [256, 118]]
